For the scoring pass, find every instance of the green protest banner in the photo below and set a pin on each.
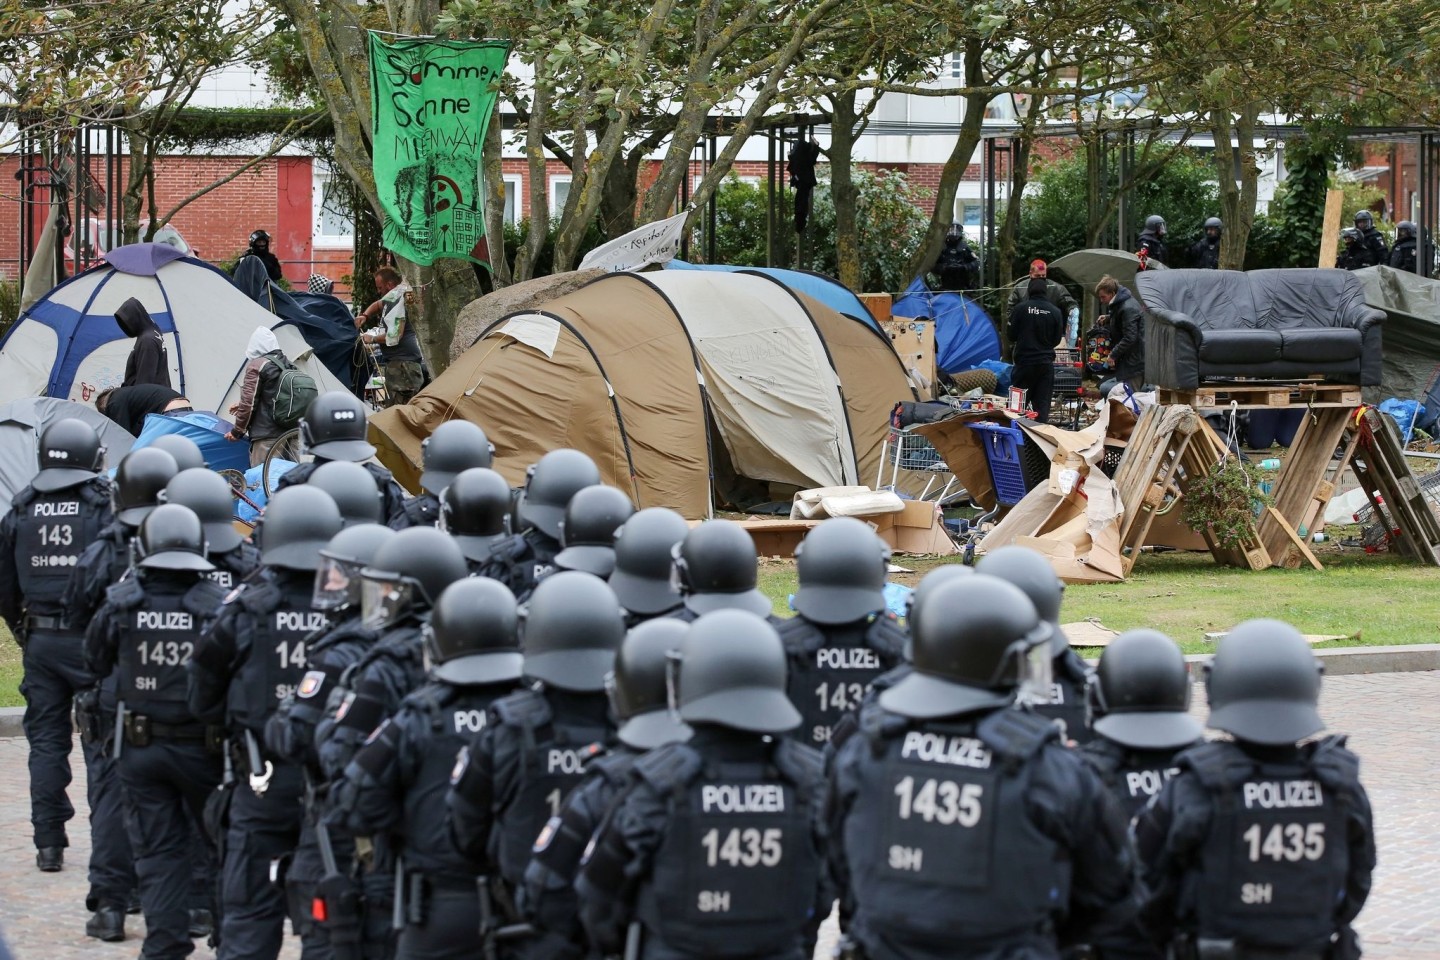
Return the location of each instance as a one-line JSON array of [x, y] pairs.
[[433, 100]]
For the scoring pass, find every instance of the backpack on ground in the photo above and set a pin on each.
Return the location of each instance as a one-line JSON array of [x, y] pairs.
[[293, 393]]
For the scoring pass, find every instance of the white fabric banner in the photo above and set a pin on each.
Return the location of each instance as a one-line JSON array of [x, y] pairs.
[[655, 242]]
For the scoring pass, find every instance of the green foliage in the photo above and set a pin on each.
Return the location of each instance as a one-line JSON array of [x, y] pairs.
[[199, 129], [9, 303], [1226, 500], [516, 235]]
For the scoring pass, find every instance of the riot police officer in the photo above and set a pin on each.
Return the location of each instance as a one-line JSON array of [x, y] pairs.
[[842, 636], [353, 490], [209, 496], [1405, 255], [1152, 240], [956, 265], [249, 660], [455, 446], [1286, 825], [1352, 255], [1138, 697], [533, 749], [587, 531], [719, 839], [398, 782], [1036, 578], [640, 699], [185, 451], [334, 428], [947, 772], [717, 569], [290, 734], [475, 511], [51, 522], [1205, 254], [642, 578], [1373, 247], [549, 485], [168, 761]]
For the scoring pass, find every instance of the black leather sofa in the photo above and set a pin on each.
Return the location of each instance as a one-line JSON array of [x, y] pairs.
[[1209, 325]]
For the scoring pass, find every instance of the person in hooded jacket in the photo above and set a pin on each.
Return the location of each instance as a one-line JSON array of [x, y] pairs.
[[1127, 327], [254, 413], [149, 362]]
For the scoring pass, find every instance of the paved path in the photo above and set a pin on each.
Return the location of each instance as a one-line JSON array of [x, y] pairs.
[[1393, 719]]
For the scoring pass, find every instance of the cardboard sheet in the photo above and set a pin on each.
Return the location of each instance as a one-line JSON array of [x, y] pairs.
[[916, 529]]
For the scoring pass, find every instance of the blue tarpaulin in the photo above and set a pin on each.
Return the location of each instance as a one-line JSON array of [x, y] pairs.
[[827, 290], [965, 337], [207, 430]]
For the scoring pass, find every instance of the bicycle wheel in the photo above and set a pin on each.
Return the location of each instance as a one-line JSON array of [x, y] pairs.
[[289, 448]]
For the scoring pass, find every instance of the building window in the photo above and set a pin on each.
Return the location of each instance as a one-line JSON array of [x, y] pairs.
[[512, 200], [333, 225], [955, 66], [969, 212], [559, 194]]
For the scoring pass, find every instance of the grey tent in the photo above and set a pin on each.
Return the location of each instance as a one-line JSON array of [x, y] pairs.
[[21, 423], [1086, 267], [1412, 330]]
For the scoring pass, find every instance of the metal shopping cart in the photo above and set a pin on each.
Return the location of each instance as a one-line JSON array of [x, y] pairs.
[[916, 469], [1068, 401]]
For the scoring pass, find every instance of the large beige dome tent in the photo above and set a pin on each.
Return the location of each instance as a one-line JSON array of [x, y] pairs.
[[681, 385]]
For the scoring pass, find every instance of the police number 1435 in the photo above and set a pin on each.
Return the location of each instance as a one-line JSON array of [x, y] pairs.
[[743, 848], [940, 801], [1286, 841]]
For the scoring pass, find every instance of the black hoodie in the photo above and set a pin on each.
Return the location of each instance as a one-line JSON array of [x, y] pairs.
[[148, 362]]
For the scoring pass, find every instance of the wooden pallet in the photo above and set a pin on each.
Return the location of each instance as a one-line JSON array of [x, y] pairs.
[[1304, 485], [1248, 396], [1147, 476], [1380, 465], [1204, 451]]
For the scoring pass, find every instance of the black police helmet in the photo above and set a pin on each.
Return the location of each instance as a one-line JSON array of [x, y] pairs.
[[638, 686], [1264, 684], [455, 445], [1140, 692], [1214, 223], [138, 482], [299, 522], [337, 579], [258, 236], [473, 636], [352, 488], [1350, 235], [475, 510], [1406, 230], [928, 584], [185, 451], [334, 428], [1155, 224], [969, 649], [643, 562], [1037, 579], [419, 562], [549, 485], [717, 569], [358, 543], [570, 631], [1364, 219], [205, 492], [70, 453], [172, 538], [842, 566], [732, 673], [587, 531]]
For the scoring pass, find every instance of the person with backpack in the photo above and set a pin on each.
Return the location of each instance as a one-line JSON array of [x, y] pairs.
[[273, 395]]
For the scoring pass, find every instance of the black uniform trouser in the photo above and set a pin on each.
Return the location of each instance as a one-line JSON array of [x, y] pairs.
[[166, 786], [54, 663], [1038, 380], [263, 828], [449, 929], [377, 885], [306, 871]]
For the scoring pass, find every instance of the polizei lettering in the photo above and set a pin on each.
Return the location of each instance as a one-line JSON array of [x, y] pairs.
[[296, 620], [566, 761], [1282, 794], [846, 658], [168, 620], [67, 508], [742, 798], [936, 748]]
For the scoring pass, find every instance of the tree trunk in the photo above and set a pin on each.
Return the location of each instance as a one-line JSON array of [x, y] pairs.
[[495, 201], [617, 204], [443, 289], [1010, 226], [133, 199], [843, 192], [1237, 198], [529, 253], [1097, 214]]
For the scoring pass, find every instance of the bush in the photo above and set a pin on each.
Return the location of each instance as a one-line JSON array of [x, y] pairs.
[[516, 234], [9, 303]]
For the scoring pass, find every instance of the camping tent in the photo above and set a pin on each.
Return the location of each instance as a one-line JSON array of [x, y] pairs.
[[68, 344], [676, 383], [965, 335], [21, 423], [1086, 267], [1412, 334], [827, 290]]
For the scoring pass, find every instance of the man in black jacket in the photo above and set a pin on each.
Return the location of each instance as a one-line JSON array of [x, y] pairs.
[[1374, 249], [1036, 326], [1127, 327], [148, 361], [129, 406]]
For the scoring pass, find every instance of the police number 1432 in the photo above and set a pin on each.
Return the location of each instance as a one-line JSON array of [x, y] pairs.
[[1286, 841], [940, 801]]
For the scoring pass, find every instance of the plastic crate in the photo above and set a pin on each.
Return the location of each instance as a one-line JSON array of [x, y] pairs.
[[1004, 451]]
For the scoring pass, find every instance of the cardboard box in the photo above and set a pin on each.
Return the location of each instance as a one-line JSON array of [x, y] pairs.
[[916, 529], [914, 341], [878, 304]]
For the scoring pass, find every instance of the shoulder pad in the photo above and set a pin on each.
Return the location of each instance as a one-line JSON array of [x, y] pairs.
[[615, 766], [124, 594], [347, 631], [670, 768], [1072, 665], [204, 599], [523, 708], [879, 725], [1016, 734], [800, 636], [803, 766], [1218, 764], [97, 491], [1335, 764], [431, 699], [23, 498], [887, 635], [1104, 756], [260, 596], [511, 548]]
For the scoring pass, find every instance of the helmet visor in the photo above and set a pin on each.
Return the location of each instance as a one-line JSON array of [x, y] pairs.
[[337, 584], [384, 601], [1037, 674]]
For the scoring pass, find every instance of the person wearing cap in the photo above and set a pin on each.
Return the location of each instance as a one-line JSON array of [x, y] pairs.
[[1056, 293], [717, 568], [51, 523], [515, 773], [454, 447], [335, 428], [249, 659], [639, 690], [717, 839], [1262, 845], [168, 761], [842, 636], [475, 512], [1139, 696], [642, 578], [397, 784], [961, 826], [587, 532]]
